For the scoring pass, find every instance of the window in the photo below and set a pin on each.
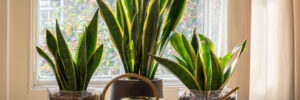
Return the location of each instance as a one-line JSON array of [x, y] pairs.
[[74, 14]]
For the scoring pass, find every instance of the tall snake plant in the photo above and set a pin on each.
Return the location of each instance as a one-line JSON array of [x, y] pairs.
[[135, 30], [74, 75], [197, 65]]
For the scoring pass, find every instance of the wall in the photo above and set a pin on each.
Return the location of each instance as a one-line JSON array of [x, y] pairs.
[[297, 47], [239, 25]]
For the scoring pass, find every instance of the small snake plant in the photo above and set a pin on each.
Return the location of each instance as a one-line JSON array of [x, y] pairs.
[[135, 30], [74, 75], [197, 65]]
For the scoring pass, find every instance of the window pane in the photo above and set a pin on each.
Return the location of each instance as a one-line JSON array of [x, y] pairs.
[[73, 15]]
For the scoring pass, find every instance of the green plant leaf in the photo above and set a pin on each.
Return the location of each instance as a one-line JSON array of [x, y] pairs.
[[190, 51], [92, 35], [142, 14], [53, 67], [227, 74], [162, 5], [200, 75], [126, 36], [126, 55], [179, 71], [66, 59], [181, 62], [135, 35], [209, 42], [149, 35], [224, 60], [93, 64], [173, 17], [112, 24], [154, 64], [82, 62], [140, 21], [194, 42], [126, 22], [217, 72], [51, 42], [60, 69], [179, 47], [241, 47], [160, 22], [206, 55], [119, 12], [115, 31], [129, 8], [135, 8], [78, 58], [141, 17], [153, 71], [131, 56]]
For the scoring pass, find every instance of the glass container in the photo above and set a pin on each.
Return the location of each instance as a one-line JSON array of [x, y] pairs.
[[186, 94], [90, 94]]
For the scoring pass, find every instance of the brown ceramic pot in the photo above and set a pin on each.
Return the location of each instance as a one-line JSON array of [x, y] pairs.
[[132, 88]]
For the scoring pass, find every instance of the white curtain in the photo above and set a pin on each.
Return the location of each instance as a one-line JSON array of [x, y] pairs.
[[274, 54]]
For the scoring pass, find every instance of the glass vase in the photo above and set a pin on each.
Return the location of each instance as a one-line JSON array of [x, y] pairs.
[[90, 94], [186, 94]]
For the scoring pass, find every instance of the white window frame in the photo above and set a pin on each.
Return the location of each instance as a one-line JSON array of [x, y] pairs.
[[19, 43], [41, 84]]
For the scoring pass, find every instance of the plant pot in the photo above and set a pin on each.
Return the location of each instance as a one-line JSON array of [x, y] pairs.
[[90, 94], [185, 94], [132, 88], [141, 98]]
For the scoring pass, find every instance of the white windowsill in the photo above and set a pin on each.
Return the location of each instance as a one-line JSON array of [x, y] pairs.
[[43, 85]]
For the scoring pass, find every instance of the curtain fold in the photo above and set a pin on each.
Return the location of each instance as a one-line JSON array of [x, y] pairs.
[[274, 52]]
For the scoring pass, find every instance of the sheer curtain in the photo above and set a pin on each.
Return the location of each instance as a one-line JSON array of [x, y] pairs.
[[275, 50]]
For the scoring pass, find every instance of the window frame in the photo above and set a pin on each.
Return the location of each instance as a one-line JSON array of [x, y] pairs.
[[37, 83], [42, 84], [19, 50]]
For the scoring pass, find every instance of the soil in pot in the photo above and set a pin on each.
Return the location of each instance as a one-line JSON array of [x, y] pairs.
[[199, 95], [56, 94], [132, 88]]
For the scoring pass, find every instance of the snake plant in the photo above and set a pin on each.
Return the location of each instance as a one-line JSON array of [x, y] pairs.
[[197, 66], [135, 30], [74, 74]]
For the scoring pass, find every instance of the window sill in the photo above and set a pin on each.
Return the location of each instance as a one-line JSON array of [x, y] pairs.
[[43, 85], [170, 89]]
